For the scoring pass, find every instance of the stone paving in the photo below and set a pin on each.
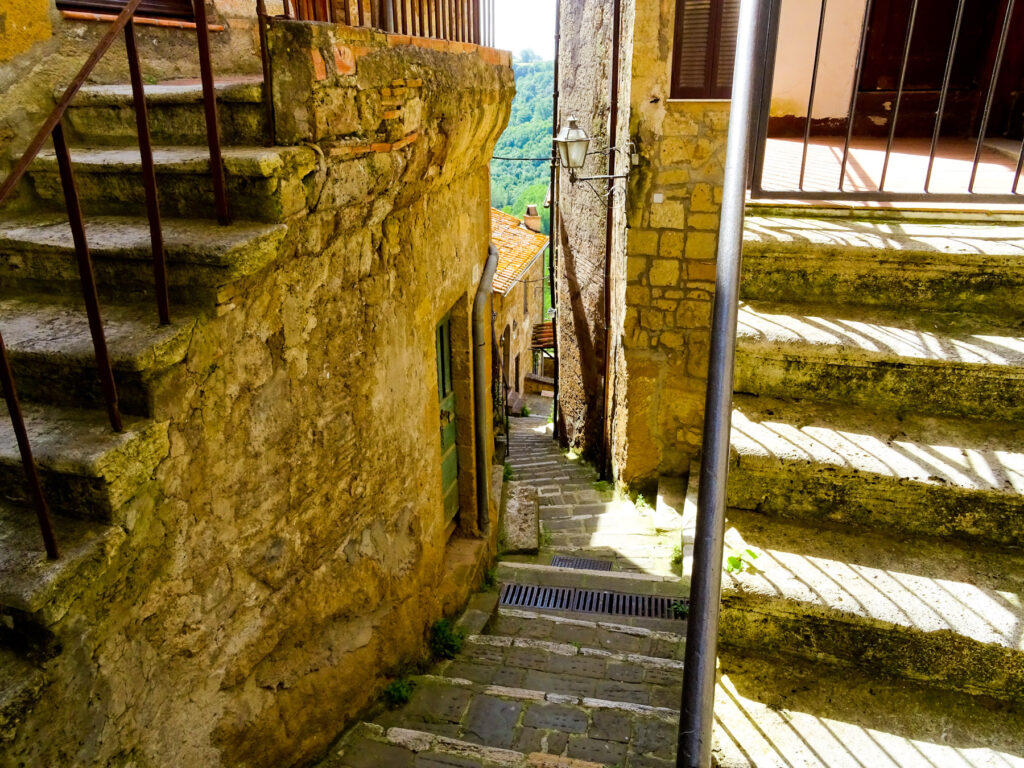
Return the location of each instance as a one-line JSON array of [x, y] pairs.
[[583, 517]]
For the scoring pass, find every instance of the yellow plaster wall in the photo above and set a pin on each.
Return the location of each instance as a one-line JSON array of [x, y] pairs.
[[23, 23]]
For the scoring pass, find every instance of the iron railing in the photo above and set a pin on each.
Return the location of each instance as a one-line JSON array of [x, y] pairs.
[[697, 710], [917, 189], [467, 21], [53, 129]]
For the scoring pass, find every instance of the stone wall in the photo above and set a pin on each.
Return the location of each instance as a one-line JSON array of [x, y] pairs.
[[674, 201], [290, 549], [41, 51], [584, 78]]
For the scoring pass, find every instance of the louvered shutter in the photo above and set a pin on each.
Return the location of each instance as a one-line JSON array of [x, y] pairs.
[[705, 48], [163, 9]]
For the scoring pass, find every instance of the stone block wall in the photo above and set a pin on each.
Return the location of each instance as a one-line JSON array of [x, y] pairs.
[[509, 314], [290, 550], [673, 209]]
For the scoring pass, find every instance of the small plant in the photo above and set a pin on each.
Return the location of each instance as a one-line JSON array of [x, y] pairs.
[[545, 538], [398, 692], [507, 473], [526, 410], [577, 644], [680, 610], [677, 555], [642, 504], [738, 562], [490, 578], [603, 486], [446, 639]]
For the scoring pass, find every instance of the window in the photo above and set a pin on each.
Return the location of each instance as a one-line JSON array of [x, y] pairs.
[[705, 48]]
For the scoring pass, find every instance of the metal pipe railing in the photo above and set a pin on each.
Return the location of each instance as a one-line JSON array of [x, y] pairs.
[[697, 710], [53, 129]]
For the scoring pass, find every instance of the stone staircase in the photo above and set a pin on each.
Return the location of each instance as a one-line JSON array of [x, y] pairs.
[[96, 480]]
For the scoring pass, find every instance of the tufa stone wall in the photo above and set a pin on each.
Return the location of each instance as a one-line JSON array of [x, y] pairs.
[[289, 549], [509, 314], [584, 73], [674, 200]]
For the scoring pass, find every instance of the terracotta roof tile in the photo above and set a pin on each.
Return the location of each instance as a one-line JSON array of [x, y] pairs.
[[518, 248]]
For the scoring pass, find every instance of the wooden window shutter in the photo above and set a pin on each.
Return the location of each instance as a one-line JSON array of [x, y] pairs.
[[161, 9], [705, 48]]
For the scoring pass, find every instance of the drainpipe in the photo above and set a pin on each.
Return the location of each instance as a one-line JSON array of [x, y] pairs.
[[480, 378], [613, 126], [553, 218]]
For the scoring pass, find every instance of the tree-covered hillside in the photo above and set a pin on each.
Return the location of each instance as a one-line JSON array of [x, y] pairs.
[[514, 185]]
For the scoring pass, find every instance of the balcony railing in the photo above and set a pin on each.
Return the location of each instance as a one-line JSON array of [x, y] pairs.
[[467, 21]]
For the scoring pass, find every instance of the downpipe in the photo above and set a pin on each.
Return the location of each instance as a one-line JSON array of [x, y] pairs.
[[696, 719], [480, 387]]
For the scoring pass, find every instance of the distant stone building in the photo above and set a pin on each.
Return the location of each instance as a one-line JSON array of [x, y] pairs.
[[518, 293]]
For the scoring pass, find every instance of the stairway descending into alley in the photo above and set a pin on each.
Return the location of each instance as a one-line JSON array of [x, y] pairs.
[[878, 474], [90, 474]]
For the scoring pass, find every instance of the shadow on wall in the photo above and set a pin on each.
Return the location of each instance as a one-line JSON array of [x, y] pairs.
[[587, 433]]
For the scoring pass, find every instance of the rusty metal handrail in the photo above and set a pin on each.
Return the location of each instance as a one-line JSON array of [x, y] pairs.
[[53, 128]]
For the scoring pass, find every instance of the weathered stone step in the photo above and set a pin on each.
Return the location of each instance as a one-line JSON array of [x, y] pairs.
[[924, 475], [370, 746], [568, 668], [926, 610], [953, 364], [524, 720], [788, 713], [88, 470], [104, 115], [53, 359], [265, 184], [37, 253], [973, 267], [621, 635], [36, 592]]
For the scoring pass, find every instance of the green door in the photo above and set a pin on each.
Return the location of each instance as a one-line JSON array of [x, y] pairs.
[[446, 398]]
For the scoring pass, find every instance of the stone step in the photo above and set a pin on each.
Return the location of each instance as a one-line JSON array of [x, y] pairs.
[[524, 720], [54, 362], [264, 184], [900, 606], [942, 265], [959, 365], [371, 746], [88, 470], [930, 476], [36, 592], [104, 115], [620, 635], [788, 713], [37, 254], [568, 668]]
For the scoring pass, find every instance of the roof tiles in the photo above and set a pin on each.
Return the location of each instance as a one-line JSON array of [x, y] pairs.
[[518, 248]]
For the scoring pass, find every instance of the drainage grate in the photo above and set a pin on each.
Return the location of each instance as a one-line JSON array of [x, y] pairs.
[[593, 601], [562, 561]]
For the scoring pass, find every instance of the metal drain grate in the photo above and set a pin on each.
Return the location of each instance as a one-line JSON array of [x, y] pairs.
[[593, 601], [563, 561]]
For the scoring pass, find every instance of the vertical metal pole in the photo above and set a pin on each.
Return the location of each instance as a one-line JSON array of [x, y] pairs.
[[92, 302], [944, 92], [220, 196], [899, 94], [28, 462], [861, 56], [814, 85], [156, 234], [697, 711], [553, 226], [996, 67], [269, 132], [768, 41]]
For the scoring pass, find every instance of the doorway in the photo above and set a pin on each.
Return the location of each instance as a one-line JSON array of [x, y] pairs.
[[446, 406]]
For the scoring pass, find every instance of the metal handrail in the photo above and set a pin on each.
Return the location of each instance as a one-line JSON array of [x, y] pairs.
[[697, 710], [53, 129]]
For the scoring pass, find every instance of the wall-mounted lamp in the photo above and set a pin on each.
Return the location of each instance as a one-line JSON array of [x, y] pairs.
[[573, 147]]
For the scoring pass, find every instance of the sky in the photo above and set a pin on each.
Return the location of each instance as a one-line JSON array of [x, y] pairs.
[[520, 24]]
